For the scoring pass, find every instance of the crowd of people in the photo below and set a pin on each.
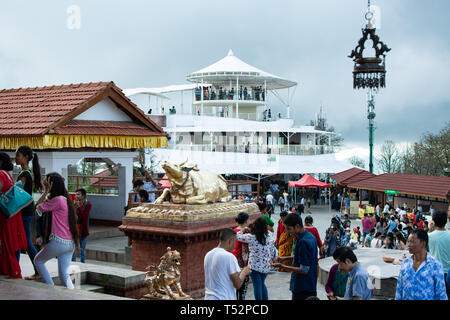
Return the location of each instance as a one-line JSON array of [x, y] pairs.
[[212, 93], [61, 223], [298, 248]]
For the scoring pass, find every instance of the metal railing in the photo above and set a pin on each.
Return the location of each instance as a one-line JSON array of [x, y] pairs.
[[244, 116], [94, 184], [214, 95], [301, 150], [233, 188]]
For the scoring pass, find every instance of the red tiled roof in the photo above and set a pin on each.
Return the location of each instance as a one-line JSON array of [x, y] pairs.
[[118, 128], [363, 175], [107, 180], [353, 172], [35, 111], [438, 187]]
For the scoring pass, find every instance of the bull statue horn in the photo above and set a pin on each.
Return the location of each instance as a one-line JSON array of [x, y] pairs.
[[182, 163]]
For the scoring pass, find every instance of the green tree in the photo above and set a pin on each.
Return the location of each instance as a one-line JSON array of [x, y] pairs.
[[321, 124], [388, 159], [358, 162], [429, 156]]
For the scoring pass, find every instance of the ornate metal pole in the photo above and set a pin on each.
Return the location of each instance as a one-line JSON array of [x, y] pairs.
[[370, 73], [371, 117]]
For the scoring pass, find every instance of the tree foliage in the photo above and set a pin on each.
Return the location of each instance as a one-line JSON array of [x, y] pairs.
[[358, 162], [429, 156], [321, 124], [389, 159]]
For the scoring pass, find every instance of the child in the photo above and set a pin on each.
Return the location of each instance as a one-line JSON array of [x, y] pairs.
[[355, 236], [359, 234], [347, 236]]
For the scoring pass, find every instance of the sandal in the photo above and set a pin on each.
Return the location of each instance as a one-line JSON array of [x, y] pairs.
[[33, 277]]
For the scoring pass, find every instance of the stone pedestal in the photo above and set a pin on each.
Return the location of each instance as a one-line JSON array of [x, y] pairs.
[[193, 230]]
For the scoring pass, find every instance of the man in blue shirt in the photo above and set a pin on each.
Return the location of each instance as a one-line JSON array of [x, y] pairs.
[[359, 286], [304, 270], [421, 276]]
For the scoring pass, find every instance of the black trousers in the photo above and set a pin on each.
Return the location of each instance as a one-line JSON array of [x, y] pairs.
[[447, 285], [303, 295]]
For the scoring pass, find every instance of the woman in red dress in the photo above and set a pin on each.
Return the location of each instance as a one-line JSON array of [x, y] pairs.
[[12, 234]]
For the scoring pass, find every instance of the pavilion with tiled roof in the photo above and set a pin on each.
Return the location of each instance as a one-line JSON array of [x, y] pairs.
[[54, 117], [66, 123], [408, 189]]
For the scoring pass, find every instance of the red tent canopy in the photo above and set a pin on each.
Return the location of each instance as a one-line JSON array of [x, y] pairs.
[[308, 181]]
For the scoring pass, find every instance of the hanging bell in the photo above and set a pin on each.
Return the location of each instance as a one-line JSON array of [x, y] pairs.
[[369, 72]]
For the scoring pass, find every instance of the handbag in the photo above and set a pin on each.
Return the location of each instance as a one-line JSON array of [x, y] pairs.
[[15, 199]]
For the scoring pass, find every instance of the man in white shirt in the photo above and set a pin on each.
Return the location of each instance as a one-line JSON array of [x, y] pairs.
[[303, 201], [378, 209], [386, 209], [222, 272], [402, 213], [269, 198]]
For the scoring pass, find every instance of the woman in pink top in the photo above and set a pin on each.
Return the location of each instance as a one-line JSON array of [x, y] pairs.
[[64, 233]]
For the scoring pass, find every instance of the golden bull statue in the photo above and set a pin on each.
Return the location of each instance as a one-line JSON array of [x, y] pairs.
[[190, 186]]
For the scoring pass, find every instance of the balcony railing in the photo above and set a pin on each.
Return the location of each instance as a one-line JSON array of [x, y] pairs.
[[300, 150], [249, 95], [243, 116]]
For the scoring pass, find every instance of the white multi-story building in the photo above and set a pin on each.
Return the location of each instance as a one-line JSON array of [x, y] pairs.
[[231, 129]]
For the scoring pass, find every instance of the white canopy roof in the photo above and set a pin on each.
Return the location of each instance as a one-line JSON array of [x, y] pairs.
[[158, 91], [149, 91], [231, 67]]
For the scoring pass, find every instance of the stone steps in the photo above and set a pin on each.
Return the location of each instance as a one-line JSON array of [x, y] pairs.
[[116, 256], [92, 288]]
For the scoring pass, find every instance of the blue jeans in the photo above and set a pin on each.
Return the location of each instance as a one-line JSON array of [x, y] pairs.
[[56, 247], [82, 251], [259, 287], [31, 250]]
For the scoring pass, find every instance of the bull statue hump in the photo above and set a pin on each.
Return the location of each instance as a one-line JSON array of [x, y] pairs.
[[189, 185]]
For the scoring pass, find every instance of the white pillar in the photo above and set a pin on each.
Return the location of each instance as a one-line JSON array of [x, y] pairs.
[[237, 100], [288, 139], [181, 107], [201, 90], [265, 94], [288, 108], [211, 140]]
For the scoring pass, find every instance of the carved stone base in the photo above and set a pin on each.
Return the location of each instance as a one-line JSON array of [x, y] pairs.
[[152, 297], [187, 212], [193, 230]]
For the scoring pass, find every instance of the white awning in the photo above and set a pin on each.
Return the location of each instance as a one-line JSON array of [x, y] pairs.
[[254, 163], [148, 91], [167, 89]]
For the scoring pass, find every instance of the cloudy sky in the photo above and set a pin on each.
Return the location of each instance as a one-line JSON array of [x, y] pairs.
[[138, 43]]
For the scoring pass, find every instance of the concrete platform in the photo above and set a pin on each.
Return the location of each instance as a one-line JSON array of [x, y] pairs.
[[383, 275], [18, 289], [108, 243]]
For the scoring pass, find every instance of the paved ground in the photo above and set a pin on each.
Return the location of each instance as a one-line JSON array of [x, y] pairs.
[[277, 282]]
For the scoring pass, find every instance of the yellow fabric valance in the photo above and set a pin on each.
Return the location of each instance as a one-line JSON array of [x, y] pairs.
[[55, 141]]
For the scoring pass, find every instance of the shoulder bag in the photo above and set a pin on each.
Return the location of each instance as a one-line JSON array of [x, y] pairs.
[[15, 199]]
